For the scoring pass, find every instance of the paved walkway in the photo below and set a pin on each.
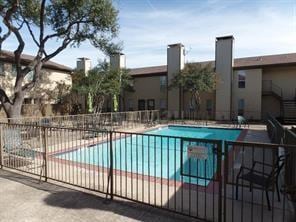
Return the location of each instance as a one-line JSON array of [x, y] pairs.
[[24, 199]]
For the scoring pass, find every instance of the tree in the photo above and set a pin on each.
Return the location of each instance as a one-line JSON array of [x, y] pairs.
[[196, 79], [101, 82], [66, 22], [45, 90]]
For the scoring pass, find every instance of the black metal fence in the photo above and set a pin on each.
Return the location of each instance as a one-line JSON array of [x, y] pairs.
[[281, 135], [254, 177], [189, 176]]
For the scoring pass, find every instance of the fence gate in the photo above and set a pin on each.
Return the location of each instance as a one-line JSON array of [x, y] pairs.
[[177, 174]]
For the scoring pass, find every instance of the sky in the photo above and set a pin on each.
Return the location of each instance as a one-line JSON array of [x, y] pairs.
[[260, 27]]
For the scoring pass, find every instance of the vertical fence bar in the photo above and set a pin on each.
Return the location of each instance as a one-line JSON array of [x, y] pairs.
[[219, 177], [1, 146], [45, 147], [111, 168], [225, 177]]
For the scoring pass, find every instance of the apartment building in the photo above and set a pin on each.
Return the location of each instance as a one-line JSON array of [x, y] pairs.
[[54, 74], [251, 86]]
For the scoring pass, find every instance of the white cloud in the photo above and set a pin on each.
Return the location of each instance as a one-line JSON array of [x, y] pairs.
[[264, 27], [262, 30]]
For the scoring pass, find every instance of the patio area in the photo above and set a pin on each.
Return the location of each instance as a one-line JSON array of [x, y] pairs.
[[24, 199]]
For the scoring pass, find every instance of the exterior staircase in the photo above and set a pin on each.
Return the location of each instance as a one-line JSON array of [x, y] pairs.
[[289, 111], [288, 107]]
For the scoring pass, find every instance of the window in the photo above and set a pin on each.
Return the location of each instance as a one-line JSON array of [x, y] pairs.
[[241, 107], [28, 101], [163, 82], [209, 105], [162, 104], [141, 104], [241, 79], [150, 104], [2, 71], [130, 105]]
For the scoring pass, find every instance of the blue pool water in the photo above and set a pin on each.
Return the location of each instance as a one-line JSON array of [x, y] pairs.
[[155, 154], [197, 132]]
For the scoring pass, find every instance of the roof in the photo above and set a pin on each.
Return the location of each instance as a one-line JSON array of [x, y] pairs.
[[263, 61], [239, 63], [160, 70], [8, 56], [225, 37], [83, 58]]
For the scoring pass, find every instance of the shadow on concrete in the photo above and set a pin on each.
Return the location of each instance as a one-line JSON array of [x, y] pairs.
[[67, 198]]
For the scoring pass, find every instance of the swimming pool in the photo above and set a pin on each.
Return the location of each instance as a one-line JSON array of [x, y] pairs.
[[160, 153]]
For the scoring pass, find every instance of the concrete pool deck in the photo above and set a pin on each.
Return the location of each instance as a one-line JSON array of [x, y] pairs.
[[24, 199]]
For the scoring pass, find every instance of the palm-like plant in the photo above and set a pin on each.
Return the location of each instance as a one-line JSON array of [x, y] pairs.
[[101, 82]]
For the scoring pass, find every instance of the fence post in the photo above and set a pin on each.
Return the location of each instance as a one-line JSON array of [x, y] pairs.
[[219, 175], [225, 177], [111, 167], [1, 147], [45, 147], [111, 118], [158, 117]]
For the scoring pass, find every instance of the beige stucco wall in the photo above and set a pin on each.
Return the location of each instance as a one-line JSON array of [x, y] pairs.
[[284, 77], [252, 93], [145, 88], [270, 105], [202, 106], [54, 77]]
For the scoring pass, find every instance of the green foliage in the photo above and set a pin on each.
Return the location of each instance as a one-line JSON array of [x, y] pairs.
[[101, 82], [49, 23], [75, 20], [196, 79]]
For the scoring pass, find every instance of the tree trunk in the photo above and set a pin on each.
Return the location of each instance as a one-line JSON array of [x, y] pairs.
[[14, 110], [196, 97]]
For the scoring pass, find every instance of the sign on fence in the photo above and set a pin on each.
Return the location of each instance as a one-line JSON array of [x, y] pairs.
[[197, 152]]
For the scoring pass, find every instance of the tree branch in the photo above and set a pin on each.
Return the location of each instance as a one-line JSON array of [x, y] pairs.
[[41, 24], [31, 33], [61, 48], [20, 48], [67, 30], [4, 37], [64, 45]]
